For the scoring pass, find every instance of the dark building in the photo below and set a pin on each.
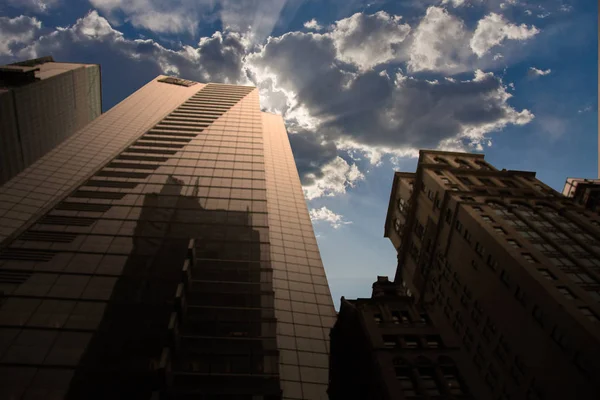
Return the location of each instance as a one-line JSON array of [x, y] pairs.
[[387, 348], [42, 103], [510, 264], [180, 263], [585, 192]]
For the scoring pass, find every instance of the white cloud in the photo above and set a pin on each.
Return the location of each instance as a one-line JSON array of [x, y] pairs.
[[333, 101], [167, 17], [454, 3], [534, 72], [584, 109], [338, 175], [369, 40], [543, 15], [253, 18], [493, 29], [40, 6], [16, 32], [313, 24], [439, 42], [217, 58], [324, 214], [566, 8]]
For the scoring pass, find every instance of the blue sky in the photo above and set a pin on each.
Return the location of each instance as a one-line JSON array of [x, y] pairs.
[[362, 86]]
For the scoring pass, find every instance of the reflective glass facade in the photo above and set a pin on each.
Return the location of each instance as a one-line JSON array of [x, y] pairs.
[[182, 265]]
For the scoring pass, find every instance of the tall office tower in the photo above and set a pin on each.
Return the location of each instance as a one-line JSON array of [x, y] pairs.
[[165, 252], [585, 192], [42, 103], [511, 265], [387, 348]]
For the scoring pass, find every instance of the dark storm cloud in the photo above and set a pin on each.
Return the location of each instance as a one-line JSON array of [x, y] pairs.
[[311, 154]]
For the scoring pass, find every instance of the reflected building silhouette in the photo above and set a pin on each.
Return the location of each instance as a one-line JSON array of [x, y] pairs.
[[207, 265]]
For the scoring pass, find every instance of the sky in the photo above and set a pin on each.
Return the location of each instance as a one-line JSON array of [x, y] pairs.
[[362, 86]]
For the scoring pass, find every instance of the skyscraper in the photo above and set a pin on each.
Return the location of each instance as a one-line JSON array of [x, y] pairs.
[[43, 102], [165, 251], [510, 264]]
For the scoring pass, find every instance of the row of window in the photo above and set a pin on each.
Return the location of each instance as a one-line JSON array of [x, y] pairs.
[[402, 317], [489, 333], [412, 342], [429, 382]]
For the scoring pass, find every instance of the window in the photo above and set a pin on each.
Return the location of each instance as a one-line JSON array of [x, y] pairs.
[[454, 189], [538, 315], [423, 319], [462, 163], [467, 236], [513, 243], [438, 172], [479, 249], [580, 277], [433, 342], [453, 383], [441, 160], [459, 226], [489, 331], [547, 274], [406, 383], [595, 294], [559, 337], [389, 341], [483, 165], [468, 339], [428, 383], [448, 215], [529, 258], [521, 296], [397, 225], [502, 350], [505, 278], [487, 219], [566, 292], [401, 205], [445, 180], [419, 229], [400, 316], [486, 182], [465, 180], [411, 342], [430, 195], [589, 314], [477, 312], [518, 370], [493, 264], [509, 183], [377, 318], [499, 231]]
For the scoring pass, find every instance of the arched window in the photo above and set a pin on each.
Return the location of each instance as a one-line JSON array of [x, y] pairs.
[[462, 163], [397, 225], [401, 205], [523, 209], [499, 208], [483, 165]]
